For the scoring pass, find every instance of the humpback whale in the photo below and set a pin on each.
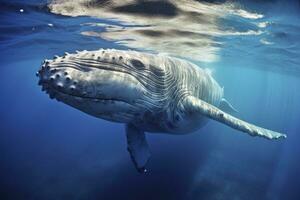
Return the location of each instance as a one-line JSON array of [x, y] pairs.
[[147, 92]]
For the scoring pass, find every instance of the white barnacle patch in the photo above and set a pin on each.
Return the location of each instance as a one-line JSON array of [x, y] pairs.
[[72, 87], [60, 85]]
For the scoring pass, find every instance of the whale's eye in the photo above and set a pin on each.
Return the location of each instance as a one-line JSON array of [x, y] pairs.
[[137, 64]]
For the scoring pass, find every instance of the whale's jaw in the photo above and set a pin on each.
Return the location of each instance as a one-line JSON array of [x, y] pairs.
[[99, 89]]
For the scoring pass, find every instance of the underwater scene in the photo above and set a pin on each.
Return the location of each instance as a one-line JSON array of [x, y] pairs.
[[149, 99]]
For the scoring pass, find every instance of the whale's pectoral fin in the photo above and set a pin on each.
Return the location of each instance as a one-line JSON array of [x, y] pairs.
[[194, 104], [137, 147], [227, 107]]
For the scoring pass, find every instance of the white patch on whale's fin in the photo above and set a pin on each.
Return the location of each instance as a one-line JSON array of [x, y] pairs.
[[194, 104], [227, 107], [137, 147]]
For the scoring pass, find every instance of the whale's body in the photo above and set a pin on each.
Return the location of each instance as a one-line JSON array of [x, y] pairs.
[[147, 92]]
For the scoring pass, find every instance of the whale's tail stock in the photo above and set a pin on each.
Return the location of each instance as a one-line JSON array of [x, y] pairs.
[[197, 105]]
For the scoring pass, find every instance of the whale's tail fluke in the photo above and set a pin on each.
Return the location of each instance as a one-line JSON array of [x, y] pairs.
[[197, 105]]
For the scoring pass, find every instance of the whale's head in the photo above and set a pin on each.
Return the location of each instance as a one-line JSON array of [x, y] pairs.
[[94, 83]]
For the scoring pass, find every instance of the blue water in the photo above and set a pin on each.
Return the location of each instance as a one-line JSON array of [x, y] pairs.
[[49, 150]]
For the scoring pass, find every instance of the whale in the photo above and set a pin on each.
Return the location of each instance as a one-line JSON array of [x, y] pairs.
[[147, 92]]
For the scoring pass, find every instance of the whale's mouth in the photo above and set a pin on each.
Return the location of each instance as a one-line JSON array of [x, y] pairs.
[[60, 95], [102, 84], [60, 83]]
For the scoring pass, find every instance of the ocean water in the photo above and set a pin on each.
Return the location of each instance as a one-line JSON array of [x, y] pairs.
[[49, 150]]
